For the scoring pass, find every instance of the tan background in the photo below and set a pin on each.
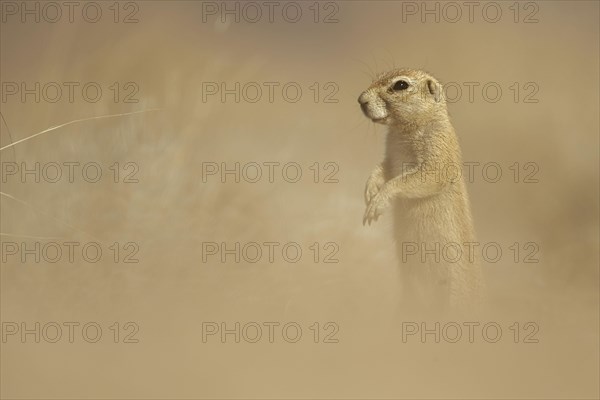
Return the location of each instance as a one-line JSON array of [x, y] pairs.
[[170, 212]]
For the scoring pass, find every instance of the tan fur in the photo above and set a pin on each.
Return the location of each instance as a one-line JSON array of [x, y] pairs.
[[430, 206]]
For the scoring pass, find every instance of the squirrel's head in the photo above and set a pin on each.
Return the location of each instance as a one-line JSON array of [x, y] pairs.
[[403, 96]]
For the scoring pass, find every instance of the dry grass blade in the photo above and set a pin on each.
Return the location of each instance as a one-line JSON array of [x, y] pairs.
[[73, 122], [48, 215]]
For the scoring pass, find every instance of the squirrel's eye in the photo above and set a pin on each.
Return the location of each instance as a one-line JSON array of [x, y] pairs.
[[400, 85]]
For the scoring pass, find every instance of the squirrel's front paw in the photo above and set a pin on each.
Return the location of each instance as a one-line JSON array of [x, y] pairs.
[[373, 186], [376, 205]]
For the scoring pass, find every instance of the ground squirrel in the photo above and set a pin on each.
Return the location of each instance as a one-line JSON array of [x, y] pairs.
[[432, 218]]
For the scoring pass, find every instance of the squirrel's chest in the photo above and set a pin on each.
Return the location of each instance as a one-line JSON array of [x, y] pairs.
[[400, 156]]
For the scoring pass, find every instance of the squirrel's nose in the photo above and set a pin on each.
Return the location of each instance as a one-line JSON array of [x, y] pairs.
[[362, 99]]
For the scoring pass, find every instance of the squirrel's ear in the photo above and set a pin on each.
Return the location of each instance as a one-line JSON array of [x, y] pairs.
[[435, 89]]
